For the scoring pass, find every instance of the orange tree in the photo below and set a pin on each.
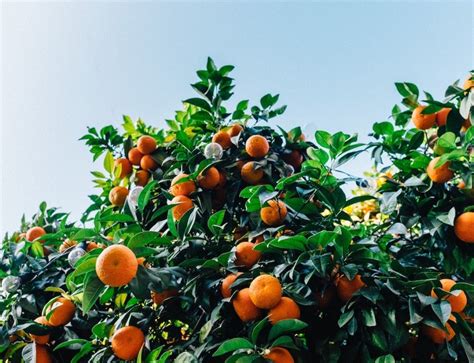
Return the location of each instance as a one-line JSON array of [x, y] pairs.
[[223, 239]]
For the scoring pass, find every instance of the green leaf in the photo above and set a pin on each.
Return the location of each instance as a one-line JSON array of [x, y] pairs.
[[93, 288], [109, 162], [145, 195], [345, 318], [199, 102], [233, 345], [70, 342], [101, 330], [286, 326], [118, 217], [385, 359], [256, 330], [215, 221], [145, 238]]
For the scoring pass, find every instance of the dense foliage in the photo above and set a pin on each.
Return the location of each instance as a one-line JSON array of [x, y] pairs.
[[218, 199]]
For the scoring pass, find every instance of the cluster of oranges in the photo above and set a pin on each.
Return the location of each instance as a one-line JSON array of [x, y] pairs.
[[141, 157], [264, 293], [58, 312], [457, 301], [464, 223]]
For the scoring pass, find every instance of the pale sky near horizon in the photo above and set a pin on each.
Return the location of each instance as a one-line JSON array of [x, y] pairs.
[[69, 65]]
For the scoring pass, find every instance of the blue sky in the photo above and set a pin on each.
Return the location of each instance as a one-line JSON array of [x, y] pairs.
[[66, 66]]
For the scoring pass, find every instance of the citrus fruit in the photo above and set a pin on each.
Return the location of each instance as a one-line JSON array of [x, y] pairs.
[[285, 309], [464, 227], [346, 288], [184, 188], [294, 158], [265, 291], [183, 205], [146, 144], [439, 336], [457, 302], [66, 245], [125, 165], [60, 312], [223, 139], [440, 174], [35, 232], [279, 355], [159, 297], [42, 354], [244, 307], [274, 213], [423, 121], [250, 174], [442, 116], [227, 283], [148, 163], [234, 130], [209, 178], [135, 156], [246, 255], [118, 195], [142, 177], [127, 342], [257, 146], [116, 265]]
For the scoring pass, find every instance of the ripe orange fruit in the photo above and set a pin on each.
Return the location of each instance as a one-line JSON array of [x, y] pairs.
[[346, 288], [442, 116], [62, 312], [234, 130], [279, 355], [464, 227], [458, 303], [285, 309], [147, 163], [244, 307], [468, 83], [223, 139], [227, 283], [250, 175], [422, 121], [134, 155], [42, 354], [257, 146], [127, 342], [146, 144], [274, 214], [92, 246], [441, 174], [35, 232], [118, 195], [116, 265], [159, 297], [66, 245], [461, 184], [41, 339], [184, 205], [438, 336], [246, 255], [265, 291], [142, 177], [126, 167], [295, 159], [209, 179], [185, 188]]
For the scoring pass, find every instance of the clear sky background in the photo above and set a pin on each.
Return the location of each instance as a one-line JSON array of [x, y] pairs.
[[66, 66]]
